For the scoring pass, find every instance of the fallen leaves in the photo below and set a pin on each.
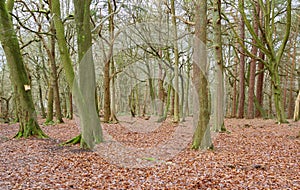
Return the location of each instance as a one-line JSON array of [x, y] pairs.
[[262, 155]]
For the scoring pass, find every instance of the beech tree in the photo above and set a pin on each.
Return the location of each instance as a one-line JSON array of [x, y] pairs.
[[219, 100], [176, 60], [201, 138], [90, 125], [19, 78]]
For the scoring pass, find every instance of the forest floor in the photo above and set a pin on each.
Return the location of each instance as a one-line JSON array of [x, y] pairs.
[[254, 154]]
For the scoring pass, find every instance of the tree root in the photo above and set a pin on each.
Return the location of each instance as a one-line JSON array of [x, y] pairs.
[[76, 140]]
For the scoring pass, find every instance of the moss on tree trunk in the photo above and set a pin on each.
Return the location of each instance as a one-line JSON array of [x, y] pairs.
[[19, 78]]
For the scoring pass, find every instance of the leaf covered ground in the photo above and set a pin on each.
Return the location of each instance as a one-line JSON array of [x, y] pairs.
[[256, 154]]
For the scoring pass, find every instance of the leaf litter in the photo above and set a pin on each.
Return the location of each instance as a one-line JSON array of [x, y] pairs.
[[255, 154]]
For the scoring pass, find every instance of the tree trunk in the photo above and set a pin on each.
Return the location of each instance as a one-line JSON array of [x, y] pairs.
[[91, 129], [106, 84], [280, 113], [234, 98], [49, 118], [70, 114], [250, 112], [161, 91], [19, 77], [176, 60], [113, 117], [274, 53], [54, 78], [297, 108], [260, 84], [219, 99], [187, 89], [292, 80], [242, 71], [43, 113], [201, 138]]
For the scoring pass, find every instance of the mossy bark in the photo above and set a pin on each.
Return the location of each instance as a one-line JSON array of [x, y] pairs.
[[267, 46], [54, 78], [280, 114], [19, 77], [49, 118], [201, 138], [85, 97]]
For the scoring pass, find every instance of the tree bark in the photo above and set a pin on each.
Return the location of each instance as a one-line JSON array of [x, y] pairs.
[[297, 108], [219, 99], [176, 60], [54, 77], [274, 53], [201, 138], [19, 77], [87, 140], [250, 111], [260, 84], [90, 123], [242, 70], [292, 80], [49, 118]]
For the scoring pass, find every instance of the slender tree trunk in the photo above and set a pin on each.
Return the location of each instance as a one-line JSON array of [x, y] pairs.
[[250, 112], [107, 67], [187, 89], [297, 108], [64, 105], [176, 60], [70, 105], [219, 99], [292, 82], [49, 118], [284, 79], [161, 91], [106, 84], [234, 98], [242, 71], [113, 117], [172, 102], [261, 73], [18, 75], [260, 84], [54, 78], [43, 113]]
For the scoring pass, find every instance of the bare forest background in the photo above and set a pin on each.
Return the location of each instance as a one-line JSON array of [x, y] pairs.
[[252, 69]]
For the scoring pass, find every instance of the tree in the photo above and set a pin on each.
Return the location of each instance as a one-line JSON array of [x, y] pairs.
[[201, 138], [86, 100], [18, 75], [219, 104], [250, 111], [54, 77], [297, 108], [242, 69], [272, 50], [90, 134], [176, 60]]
